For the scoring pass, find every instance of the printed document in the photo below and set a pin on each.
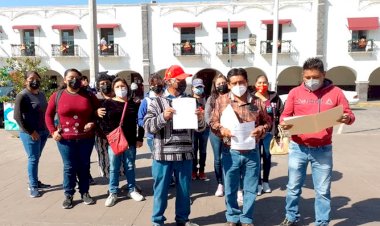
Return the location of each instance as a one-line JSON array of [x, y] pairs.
[[228, 118], [241, 136], [316, 122], [184, 116]]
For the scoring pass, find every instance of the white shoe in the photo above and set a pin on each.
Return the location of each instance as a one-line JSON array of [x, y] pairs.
[[240, 196], [259, 190], [135, 195], [266, 188], [110, 201], [219, 191]]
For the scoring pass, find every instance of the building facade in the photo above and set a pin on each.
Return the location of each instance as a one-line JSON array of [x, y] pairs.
[[205, 38]]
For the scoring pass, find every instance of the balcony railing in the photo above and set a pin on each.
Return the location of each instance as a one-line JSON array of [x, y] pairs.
[[109, 50], [63, 50], [283, 46], [187, 49], [365, 45], [19, 50], [222, 48]]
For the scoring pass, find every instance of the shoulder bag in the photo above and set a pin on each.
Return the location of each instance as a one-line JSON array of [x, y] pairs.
[[279, 145], [116, 138]]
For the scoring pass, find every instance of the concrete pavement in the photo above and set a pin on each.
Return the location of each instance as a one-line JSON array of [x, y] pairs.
[[355, 187]]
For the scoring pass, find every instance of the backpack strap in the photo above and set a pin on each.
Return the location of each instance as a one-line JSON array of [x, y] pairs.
[[57, 97]]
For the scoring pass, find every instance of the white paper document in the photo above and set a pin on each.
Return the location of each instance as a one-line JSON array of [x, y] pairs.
[[316, 122], [242, 139], [184, 117], [228, 118]]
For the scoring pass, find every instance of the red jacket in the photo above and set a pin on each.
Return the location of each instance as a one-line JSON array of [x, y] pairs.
[[302, 101]]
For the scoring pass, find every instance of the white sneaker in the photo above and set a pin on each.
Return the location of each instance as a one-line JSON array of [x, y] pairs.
[[240, 196], [259, 190], [135, 195], [266, 188], [110, 201], [219, 191]]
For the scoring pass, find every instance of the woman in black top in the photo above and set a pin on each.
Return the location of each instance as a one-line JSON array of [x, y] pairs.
[[29, 112], [111, 115]]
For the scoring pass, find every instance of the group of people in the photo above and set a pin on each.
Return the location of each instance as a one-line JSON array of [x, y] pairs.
[[78, 119]]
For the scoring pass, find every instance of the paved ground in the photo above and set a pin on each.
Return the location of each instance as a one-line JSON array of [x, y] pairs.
[[355, 188]]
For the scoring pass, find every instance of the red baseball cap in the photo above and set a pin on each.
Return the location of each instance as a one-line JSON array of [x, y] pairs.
[[176, 72]]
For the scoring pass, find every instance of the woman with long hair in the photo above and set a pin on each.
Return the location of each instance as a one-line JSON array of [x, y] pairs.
[[76, 113], [219, 87]]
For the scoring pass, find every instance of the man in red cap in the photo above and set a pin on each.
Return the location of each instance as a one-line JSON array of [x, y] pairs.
[[173, 151]]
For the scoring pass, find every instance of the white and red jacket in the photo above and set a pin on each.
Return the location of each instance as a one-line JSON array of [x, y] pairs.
[[302, 101]]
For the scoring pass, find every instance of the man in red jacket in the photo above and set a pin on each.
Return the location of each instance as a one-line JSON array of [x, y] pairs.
[[315, 94]]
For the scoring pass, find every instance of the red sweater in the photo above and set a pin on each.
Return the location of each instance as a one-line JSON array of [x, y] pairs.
[[74, 111], [301, 101]]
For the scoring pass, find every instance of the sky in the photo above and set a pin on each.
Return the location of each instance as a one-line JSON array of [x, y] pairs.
[[15, 3]]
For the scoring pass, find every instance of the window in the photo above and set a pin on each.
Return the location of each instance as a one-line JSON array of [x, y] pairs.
[[107, 43], [270, 37], [234, 38], [188, 41], [27, 46], [359, 40], [67, 42]]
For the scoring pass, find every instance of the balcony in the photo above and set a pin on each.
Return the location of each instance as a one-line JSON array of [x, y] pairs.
[[20, 50], [108, 50], [360, 46], [237, 48], [64, 50], [283, 46], [187, 49]]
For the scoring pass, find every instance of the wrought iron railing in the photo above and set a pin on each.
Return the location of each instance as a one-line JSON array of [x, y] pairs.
[[109, 50], [187, 49], [361, 45], [283, 46], [58, 50], [222, 48], [19, 50]]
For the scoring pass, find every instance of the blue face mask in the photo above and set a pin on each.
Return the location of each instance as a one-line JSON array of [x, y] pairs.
[[198, 91], [313, 84]]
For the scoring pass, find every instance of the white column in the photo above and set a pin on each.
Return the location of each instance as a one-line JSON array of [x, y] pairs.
[[274, 46], [94, 60]]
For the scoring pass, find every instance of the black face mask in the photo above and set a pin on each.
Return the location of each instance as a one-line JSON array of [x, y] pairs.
[[35, 84], [75, 83], [157, 89], [222, 89], [181, 86], [106, 88]]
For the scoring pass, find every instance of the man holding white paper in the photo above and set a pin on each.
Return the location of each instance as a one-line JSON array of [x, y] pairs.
[[240, 117], [315, 95]]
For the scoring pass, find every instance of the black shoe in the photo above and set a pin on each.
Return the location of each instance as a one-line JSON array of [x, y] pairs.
[[68, 202], [287, 222], [87, 199], [187, 224], [42, 185]]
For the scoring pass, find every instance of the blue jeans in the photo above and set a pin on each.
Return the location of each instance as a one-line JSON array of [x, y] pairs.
[[150, 142], [33, 149], [200, 143], [76, 161], [240, 166], [162, 172], [128, 158], [266, 156], [217, 147], [321, 162]]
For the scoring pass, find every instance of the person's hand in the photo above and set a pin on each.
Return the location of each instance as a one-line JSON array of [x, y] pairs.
[[139, 144], [101, 112], [200, 113], [88, 127], [344, 119], [285, 126], [258, 132], [225, 132], [168, 113], [56, 135], [35, 136]]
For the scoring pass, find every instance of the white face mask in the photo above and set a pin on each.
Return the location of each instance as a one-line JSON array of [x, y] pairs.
[[239, 90], [121, 92], [313, 84]]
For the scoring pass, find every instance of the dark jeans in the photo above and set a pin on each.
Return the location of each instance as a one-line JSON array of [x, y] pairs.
[[200, 143], [76, 161], [266, 156], [33, 149], [217, 147]]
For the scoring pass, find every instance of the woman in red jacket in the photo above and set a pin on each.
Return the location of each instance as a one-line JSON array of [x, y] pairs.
[[76, 111]]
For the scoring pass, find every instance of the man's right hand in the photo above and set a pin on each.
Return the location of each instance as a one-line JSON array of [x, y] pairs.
[[168, 113], [285, 126]]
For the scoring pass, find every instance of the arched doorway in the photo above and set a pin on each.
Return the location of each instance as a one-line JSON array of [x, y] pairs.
[[133, 76], [87, 74], [374, 85], [207, 75], [54, 79], [343, 77], [288, 79]]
